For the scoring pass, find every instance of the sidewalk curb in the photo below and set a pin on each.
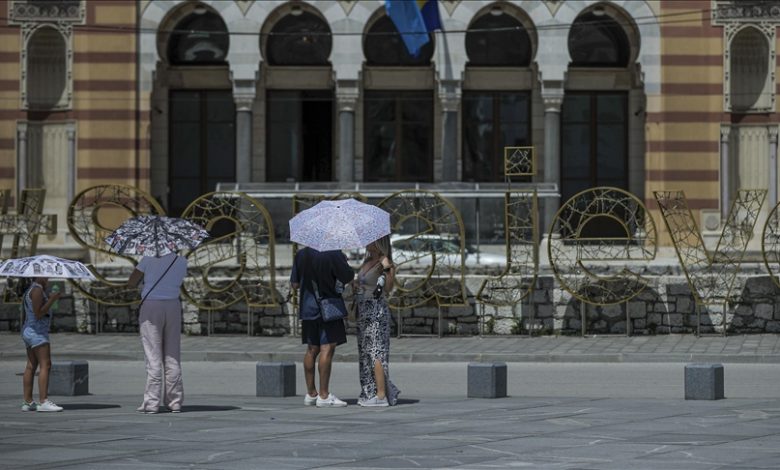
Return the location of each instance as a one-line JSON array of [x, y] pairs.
[[260, 356]]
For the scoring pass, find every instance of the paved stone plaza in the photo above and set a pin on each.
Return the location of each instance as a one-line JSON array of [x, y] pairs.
[[614, 408]]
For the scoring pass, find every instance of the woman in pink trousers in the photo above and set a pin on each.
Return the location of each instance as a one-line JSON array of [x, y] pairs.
[[160, 326]]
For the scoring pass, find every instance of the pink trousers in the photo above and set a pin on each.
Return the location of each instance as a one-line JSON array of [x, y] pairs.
[[160, 325]]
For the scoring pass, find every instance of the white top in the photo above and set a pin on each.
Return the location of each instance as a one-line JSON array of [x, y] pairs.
[[153, 268]]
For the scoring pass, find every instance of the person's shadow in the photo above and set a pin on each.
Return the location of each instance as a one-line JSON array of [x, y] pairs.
[[88, 406], [207, 408], [401, 401]]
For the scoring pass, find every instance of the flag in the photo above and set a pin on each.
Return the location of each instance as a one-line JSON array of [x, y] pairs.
[[414, 19], [430, 14]]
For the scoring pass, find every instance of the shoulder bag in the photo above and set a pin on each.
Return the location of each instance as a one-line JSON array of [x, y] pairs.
[[331, 309]]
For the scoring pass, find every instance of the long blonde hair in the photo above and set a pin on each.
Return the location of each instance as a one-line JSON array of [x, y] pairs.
[[383, 244]]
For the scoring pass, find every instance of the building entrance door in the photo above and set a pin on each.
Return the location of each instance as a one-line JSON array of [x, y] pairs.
[[202, 144]]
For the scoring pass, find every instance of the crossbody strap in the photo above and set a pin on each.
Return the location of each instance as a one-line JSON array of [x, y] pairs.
[[307, 270], [316, 291], [158, 281]]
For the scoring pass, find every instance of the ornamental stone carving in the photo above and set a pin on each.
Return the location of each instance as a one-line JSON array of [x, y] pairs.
[[68, 11]]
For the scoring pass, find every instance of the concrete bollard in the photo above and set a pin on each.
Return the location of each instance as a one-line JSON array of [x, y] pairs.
[[704, 382], [486, 380], [275, 379], [69, 378]]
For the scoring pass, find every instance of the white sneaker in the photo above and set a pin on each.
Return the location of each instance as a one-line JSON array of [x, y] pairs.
[[331, 401], [48, 405], [374, 401], [309, 400], [29, 406]]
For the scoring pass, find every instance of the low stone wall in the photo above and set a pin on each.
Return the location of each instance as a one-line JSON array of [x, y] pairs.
[[666, 306]]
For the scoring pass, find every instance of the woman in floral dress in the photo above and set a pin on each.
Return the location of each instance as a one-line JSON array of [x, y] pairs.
[[374, 282]]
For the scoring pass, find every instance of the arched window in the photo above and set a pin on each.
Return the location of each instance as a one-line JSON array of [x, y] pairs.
[[299, 39], [498, 39], [47, 70], [383, 45], [199, 38], [749, 54], [597, 40]]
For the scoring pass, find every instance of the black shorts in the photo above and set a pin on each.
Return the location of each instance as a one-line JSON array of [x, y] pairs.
[[316, 332]]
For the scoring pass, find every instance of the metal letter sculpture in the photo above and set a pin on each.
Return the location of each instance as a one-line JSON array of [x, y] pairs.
[[521, 232], [770, 243], [519, 161], [92, 216], [430, 258], [711, 277], [238, 264], [26, 226], [577, 236]]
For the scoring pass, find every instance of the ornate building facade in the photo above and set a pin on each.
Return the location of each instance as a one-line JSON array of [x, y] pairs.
[[175, 96]]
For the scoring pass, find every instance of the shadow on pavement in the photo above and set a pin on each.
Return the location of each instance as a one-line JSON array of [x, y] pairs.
[[88, 406], [406, 401], [202, 408], [401, 401]]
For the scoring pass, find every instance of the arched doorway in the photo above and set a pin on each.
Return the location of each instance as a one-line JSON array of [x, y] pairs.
[[201, 109], [595, 112], [496, 104], [299, 97], [397, 107]]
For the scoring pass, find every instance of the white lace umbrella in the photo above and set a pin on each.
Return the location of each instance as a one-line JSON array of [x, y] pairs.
[[339, 225], [45, 266]]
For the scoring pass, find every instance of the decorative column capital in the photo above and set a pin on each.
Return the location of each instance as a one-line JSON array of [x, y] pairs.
[[244, 93], [552, 100], [450, 94], [347, 95], [21, 130], [773, 135], [552, 95], [725, 132], [244, 103]]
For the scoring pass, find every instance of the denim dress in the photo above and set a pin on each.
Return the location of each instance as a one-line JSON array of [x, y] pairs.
[[35, 331]]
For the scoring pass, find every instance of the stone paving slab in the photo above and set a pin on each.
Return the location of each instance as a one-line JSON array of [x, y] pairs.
[[279, 433], [755, 349], [562, 416]]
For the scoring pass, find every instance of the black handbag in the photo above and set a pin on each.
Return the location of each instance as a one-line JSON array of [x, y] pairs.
[[330, 309]]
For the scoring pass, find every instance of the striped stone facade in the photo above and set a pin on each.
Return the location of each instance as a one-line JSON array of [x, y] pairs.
[[99, 120], [688, 122]]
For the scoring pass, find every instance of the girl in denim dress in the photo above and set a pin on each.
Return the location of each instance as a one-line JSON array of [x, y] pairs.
[[35, 334]]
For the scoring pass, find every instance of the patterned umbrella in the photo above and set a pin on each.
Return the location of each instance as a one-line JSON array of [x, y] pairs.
[[339, 225], [155, 235], [45, 266]]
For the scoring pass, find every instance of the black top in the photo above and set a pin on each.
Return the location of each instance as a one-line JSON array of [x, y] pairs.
[[323, 267]]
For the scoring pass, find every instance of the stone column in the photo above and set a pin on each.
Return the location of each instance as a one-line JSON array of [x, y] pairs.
[[772, 167], [72, 168], [553, 99], [346, 101], [725, 193], [450, 97], [244, 96], [21, 158]]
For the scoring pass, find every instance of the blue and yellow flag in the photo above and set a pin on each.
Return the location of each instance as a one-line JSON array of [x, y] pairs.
[[414, 19]]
